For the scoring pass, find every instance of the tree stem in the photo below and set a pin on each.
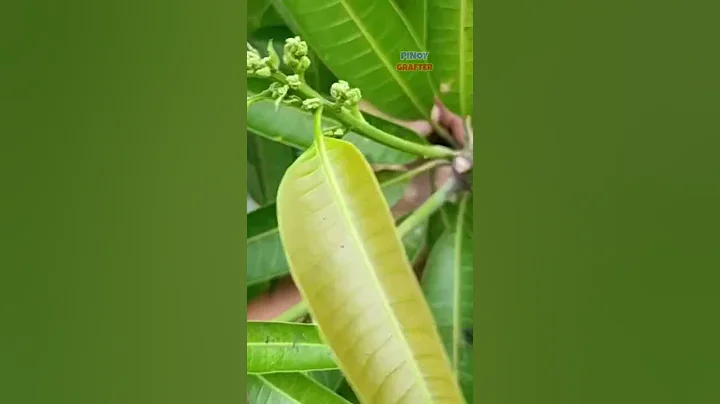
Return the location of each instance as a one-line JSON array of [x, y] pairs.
[[365, 129], [430, 206]]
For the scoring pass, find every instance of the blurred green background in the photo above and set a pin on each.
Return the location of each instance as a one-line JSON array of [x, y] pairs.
[[596, 208], [122, 190]]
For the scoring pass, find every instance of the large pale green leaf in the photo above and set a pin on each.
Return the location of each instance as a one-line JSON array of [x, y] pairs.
[[360, 41], [292, 126], [450, 43], [267, 162], [448, 285], [352, 270], [265, 255], [289, 388], [274, 347]]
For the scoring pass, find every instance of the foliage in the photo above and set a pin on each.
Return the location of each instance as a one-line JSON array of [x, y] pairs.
[[389, 299]]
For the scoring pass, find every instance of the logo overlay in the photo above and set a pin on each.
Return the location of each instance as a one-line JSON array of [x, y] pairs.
[[414, 61]]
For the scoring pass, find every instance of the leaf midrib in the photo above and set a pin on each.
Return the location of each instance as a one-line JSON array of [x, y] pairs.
[[461, 53], [337, 196], [284, 344], [383, 60]]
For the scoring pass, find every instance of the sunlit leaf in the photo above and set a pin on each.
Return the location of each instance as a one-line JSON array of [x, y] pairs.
[[286, 347], [360, 41], [448, 286], [265, 255], [289, 388], [352, 270]]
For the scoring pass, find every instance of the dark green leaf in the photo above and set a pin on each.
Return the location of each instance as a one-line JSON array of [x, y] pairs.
[[360, 41], [289, 388], [267, 162], [450, 43], [265, 256], [346, 392], [257, 290], [439, 222], [286, 347], [414, 241], [328, 378], [261, 13], [448, 285]]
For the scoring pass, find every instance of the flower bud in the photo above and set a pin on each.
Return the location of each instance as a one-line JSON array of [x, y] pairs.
[[311, 103], [294, 81]]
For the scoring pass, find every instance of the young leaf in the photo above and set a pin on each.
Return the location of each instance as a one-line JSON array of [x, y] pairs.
[[267, 162], [351, 268], [448, 285], [265, 255], [274, 347], [289, 388], [450, 43], [360, 41]]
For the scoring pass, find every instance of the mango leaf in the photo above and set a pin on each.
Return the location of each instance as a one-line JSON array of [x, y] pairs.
[[439, 222], [274, 347], [414, 241], [450, 43], [267, 162], [448, 285], [360, 41], [261, 13], [289, 388], [416, 12], [352, 270], [293, 126], [265, 255]]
